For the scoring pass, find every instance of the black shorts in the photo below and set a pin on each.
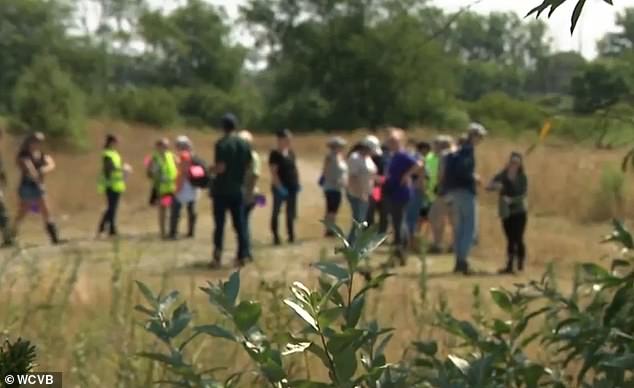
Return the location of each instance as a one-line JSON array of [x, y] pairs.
[[333, 201]]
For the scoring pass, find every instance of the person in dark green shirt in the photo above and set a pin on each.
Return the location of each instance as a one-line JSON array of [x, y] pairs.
[[232, 161]]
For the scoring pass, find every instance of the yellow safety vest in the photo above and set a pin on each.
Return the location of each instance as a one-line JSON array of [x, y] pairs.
[[432, 164], [169, 171], [116, 182]]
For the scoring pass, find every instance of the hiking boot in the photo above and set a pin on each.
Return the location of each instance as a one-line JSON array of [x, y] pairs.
[[51, 230], [506, 271]]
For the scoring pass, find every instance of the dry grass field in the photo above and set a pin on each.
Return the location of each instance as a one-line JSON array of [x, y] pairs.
[[76, 301]]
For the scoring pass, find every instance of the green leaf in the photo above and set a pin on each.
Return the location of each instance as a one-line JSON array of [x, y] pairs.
[[327, 317], [272, 370], [216, 331], [345, 364], [469, 330], [595, 271], [333, 270], [231, 288], [330, 291], [502, 299], [180, 319], [163, 358], [620, 299], [576, 14], [532, 374], [375, 283], [303, 314], [166, 303], [308, 384], [460, 363], [622, 362], [301, 292], [349, 338], [331, 226], [300, 347], [246, 315], [353, 313], [500, 327], [144, 310], [429, 348], [147, 293]]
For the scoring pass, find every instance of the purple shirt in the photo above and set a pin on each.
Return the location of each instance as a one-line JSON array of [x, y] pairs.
[[400, 164]]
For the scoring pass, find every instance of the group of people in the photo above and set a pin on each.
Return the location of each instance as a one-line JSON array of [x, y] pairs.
[[419, 186], [406, 187]]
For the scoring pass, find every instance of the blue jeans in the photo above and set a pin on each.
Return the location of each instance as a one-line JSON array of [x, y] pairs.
[[359, 209], [465, 218], [290, 199], [414, 207], [235, 205]]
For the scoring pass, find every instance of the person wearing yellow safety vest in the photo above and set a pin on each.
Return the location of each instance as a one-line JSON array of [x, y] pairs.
[[112, 184], [440, 211], [164, 172]]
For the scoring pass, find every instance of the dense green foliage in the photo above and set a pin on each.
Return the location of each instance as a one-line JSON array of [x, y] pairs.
[[47, 100], [340, 64], [586, 336]]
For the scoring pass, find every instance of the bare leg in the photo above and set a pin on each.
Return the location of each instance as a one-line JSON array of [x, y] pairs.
[[19, 217]]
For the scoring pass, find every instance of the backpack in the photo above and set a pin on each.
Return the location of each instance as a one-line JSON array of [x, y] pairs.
[[458, 173], [198, 175]]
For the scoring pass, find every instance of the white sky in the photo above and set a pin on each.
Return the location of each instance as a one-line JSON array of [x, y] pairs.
[[597, 19]]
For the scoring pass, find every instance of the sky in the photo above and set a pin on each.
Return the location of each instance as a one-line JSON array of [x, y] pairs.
[[597, 19]]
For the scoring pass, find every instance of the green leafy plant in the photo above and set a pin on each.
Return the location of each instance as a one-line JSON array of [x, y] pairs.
[[17, 357]]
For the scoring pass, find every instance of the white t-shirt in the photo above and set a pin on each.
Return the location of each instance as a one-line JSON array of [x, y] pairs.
[[361, 174]]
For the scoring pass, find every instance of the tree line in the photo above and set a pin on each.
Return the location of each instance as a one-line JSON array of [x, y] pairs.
[[337, 64]]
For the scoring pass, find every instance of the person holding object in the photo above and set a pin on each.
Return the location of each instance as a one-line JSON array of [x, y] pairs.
[[250, 189], [461, 181], [233, 159], [5, 228], [285, 185], [398, 187], [186, 192], [112, 184], [333, 179], [34, 165], [512, 186], [362, 174]]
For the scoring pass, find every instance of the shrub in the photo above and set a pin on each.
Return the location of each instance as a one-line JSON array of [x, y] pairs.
[[503, 114], [47, 100], [153, 106], [589, 333], [205, 105], [453, 118]]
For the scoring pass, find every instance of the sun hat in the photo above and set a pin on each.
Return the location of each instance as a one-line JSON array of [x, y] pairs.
[[336, 142], [373, 143]]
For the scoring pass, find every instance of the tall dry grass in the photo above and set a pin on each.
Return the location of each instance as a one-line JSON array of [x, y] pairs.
[[76, 303]]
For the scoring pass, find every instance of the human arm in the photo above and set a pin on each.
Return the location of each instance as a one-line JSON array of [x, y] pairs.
[[49, 165], [108, 167], [495, 184], [417, 167]]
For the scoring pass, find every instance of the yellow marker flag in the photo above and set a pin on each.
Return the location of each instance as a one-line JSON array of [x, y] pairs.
[[545, 130]]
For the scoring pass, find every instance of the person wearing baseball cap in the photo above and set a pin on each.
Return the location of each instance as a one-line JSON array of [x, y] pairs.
[[361, 176], [333, 179], [461, 181]]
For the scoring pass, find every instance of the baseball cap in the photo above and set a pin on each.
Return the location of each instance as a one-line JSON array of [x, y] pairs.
[[477, 129], [337, 141]]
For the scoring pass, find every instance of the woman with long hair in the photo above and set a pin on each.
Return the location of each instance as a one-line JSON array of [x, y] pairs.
[[512, 185], [34, 165], [333, 179]]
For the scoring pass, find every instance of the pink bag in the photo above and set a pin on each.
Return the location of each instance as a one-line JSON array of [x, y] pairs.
[[166, 201]]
